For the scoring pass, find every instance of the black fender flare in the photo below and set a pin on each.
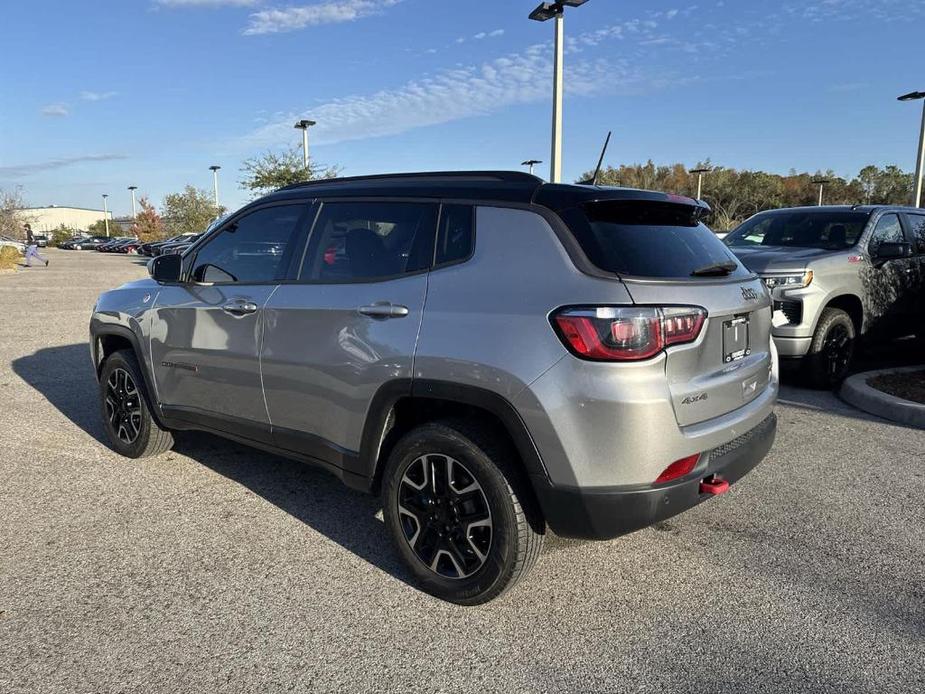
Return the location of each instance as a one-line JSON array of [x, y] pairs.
[[390, 393], [98, 330]]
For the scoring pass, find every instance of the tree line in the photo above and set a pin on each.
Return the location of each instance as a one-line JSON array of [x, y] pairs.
[[737, 194]]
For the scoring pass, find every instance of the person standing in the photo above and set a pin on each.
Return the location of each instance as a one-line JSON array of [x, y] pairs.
[[32, 249]]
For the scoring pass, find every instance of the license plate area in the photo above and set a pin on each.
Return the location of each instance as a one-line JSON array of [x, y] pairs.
[[735, 339]]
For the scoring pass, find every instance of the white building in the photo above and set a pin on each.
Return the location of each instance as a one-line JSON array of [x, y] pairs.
[[47, 219]]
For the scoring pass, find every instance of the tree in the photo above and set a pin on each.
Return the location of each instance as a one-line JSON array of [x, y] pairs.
[[189, 212], [148, 225], [273, 170], [98, 228], [12, 218], [735, 195]]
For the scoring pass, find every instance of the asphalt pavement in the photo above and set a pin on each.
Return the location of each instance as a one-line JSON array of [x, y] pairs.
[[217, 568]]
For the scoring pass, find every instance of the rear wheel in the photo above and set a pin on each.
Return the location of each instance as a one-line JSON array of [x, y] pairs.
[[131, 428], [831, 349], [459, 512]]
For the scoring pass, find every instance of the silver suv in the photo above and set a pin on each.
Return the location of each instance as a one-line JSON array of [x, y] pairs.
[[496, 356], [837, 274]]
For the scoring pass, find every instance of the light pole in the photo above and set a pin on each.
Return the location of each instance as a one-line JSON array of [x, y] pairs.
[[920, 155], [214, 169], [821, 183], [544, 12], [531, 163], [304, 125], [700, 173], [106, 214], [133, 189]]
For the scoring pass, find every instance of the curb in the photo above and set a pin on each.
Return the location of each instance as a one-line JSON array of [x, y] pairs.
[[855, 391]]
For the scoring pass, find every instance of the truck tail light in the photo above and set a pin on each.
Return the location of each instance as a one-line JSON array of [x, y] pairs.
[[626, 333]]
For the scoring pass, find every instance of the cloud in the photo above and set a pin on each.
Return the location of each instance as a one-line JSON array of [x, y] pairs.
[[55, 111], [278, 20], [20, 170], [97, 96], [450, 95]]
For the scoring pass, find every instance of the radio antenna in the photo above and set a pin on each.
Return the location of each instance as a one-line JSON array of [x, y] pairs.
[[597, 171]]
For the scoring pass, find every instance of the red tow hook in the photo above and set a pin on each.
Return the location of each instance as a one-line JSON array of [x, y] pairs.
[[714, 484]]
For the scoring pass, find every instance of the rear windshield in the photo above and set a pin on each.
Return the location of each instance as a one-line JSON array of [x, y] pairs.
[[650, 239], [832, 231]]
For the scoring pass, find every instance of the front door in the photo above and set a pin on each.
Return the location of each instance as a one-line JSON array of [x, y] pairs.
[[915, 221], [206, 331], [887, 284], [348, 326]]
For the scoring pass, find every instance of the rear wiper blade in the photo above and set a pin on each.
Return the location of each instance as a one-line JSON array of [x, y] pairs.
[[716, 269]]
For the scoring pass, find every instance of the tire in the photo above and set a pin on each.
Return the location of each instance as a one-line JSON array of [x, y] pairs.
[[831, 349], [127, 419], [489, 559]]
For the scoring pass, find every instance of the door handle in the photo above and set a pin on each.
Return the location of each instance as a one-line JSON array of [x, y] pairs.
[[384, 310], [240, 307]]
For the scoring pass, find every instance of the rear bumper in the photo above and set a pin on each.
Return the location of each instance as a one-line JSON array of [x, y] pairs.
[[605, 513]]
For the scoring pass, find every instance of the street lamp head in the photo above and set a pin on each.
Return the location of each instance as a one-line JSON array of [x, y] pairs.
[[911, 96], [105, 195], [700, 171], [214, 167], [548, 10], [530, 162], [822, 181], [304, 124], [133, 187]]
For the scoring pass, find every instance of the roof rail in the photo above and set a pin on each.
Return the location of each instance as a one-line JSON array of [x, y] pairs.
[[432, 176]]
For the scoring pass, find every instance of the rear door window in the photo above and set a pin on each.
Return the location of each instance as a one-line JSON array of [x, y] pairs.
[[649, 239], [369, 241], [455, 237]]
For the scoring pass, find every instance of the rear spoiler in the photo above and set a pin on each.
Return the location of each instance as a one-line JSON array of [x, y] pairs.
[[558, 197]]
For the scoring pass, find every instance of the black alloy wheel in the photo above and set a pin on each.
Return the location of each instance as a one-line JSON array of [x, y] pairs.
[[445, 516]]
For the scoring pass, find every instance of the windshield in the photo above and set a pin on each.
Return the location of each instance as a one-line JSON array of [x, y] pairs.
[[832, 231], [650, 239]]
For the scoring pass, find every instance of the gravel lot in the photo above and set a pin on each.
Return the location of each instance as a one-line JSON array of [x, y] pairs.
[[220, 568]]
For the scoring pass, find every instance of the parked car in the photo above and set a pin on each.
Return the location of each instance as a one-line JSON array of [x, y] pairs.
[[41, 240], [114, 244], [12, 243], [90, 243], [837, 274], [178, 246], [585, 359]]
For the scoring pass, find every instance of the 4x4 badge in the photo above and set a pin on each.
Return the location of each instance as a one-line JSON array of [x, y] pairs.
[[749, 294]]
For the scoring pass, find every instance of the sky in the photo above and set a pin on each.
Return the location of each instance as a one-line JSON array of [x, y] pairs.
[[98, 95]]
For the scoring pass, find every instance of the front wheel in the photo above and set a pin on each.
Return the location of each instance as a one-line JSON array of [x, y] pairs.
[[831, 349], [132, 430], [459, 513]]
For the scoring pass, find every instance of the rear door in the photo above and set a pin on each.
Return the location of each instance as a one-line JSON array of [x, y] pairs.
[[348, 325], [206, 331], [666, 258], [915, 223]]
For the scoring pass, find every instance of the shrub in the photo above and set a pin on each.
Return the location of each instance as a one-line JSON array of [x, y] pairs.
[[9, 258]]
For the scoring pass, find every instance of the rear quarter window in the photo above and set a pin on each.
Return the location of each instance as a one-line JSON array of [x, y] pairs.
[[648, 239]]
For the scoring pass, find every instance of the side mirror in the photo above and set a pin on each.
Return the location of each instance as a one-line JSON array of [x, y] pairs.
[[166, 268], [890, 250]]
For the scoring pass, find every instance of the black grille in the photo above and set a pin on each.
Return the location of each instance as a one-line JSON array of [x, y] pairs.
[[729, 447], [792, 309]]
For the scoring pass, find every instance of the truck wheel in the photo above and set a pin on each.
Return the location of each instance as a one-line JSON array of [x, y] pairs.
[[831, 349], [462, 519], [131, 429]]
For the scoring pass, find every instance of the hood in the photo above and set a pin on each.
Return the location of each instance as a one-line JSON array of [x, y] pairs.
[[760, 259], [146, 283]]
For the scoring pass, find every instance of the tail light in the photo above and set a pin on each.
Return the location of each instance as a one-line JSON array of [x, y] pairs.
[[626, 333]]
